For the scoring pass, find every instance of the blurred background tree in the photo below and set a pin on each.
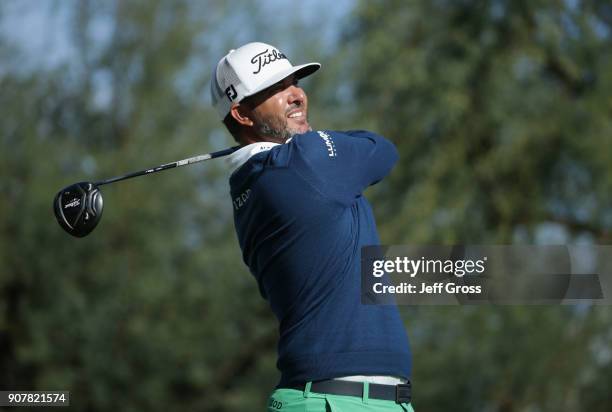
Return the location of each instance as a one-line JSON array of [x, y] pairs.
[[501, 111], [502, 114]]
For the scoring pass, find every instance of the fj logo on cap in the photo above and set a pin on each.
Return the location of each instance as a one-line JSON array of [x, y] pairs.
[[265, 57], [231, 93]]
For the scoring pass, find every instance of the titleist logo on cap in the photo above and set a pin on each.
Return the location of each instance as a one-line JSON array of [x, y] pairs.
[[266, 57]]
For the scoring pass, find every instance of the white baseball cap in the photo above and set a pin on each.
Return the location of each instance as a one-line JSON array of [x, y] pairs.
[[249, 70]]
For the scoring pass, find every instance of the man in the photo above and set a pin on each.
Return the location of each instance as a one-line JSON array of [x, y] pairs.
[[301, 222]]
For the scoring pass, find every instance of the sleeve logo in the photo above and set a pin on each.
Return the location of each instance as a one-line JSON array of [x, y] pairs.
[[329, 143], [241, 200]]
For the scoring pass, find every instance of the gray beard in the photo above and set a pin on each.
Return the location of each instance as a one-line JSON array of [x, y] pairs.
[[274, 128], [277, 133]]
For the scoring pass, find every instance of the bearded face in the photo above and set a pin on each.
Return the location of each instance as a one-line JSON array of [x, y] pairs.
[[280, 111]]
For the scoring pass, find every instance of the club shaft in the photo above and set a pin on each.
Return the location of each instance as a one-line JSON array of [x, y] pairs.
[[178, 163]]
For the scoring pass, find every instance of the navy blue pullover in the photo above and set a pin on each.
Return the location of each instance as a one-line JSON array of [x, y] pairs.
[[301, 221]]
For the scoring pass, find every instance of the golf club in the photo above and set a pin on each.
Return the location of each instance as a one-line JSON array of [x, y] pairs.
[[78, 207]]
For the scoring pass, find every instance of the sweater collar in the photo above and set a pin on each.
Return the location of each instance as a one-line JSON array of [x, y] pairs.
[[240, 156]]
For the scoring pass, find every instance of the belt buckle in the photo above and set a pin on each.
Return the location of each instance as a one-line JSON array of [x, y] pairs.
[[403, 392]]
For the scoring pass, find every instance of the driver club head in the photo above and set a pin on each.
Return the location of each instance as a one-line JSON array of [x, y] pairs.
[[78, 208]]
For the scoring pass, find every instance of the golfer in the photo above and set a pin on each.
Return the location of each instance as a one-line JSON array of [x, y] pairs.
[[301, 220]]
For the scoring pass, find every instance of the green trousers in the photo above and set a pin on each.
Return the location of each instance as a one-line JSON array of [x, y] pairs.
[[293, 400]]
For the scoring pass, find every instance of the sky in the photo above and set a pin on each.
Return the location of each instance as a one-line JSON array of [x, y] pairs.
[[40, 29]]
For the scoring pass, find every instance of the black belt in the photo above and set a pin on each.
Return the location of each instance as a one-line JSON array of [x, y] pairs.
[[399, 393]]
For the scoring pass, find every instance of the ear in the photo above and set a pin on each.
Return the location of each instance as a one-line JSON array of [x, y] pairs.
[[241, 114]]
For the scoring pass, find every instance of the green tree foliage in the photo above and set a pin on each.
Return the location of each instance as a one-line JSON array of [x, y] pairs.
[[155, 308], [500, 110], [502, 115]]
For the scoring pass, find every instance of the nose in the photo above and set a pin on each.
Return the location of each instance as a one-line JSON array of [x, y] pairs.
[[296, 95]]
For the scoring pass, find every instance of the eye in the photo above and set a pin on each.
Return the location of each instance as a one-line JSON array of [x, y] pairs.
[[278, 86]]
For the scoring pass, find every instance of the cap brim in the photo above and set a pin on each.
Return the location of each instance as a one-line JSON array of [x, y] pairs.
[[300, 71]]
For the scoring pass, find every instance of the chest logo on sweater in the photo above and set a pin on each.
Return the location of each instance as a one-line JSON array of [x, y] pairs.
[[329, 143], [241, 200]]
